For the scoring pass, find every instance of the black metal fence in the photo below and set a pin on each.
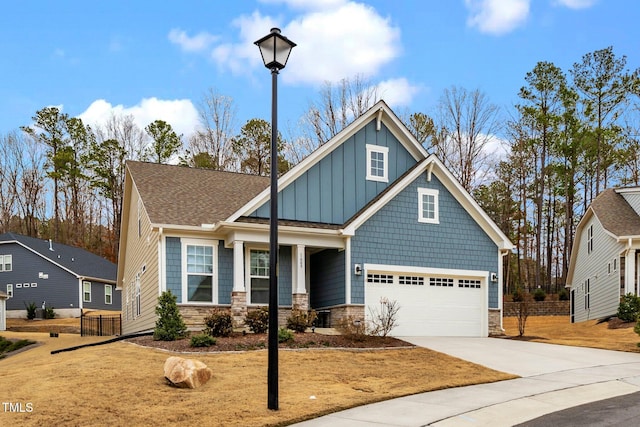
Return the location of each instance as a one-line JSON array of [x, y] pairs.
[[102, 325]]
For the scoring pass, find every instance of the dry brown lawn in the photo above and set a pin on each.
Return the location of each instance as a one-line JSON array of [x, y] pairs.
[[122, 384], [559, 330]]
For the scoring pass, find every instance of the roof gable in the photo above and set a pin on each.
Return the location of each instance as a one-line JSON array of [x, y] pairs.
[[78, 261], [377, 121], [186, 196], [615, 214]]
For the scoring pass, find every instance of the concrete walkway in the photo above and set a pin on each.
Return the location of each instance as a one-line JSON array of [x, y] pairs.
[[553, 378]]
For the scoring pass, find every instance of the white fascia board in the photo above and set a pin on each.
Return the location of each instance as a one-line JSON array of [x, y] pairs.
[[397, 128], [287, 235], [383, 268]]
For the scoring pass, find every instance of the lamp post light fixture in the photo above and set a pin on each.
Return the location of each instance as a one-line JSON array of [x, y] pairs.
[[275, 50]]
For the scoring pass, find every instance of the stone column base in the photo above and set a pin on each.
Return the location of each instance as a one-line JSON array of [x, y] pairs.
[[300, 302], [238, 308], [495, 322]]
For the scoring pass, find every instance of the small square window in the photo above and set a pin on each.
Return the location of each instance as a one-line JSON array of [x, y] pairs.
[[428, 209], [18, 285], [377, 163]]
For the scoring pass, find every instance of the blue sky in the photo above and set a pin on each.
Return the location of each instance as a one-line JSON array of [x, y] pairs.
[[157, 60]]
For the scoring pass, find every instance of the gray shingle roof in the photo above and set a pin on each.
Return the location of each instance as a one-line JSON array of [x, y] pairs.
[[77, 260], [190, 196], [615, 214]]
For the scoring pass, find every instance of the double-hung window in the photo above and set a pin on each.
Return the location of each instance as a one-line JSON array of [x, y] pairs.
[[108, 294], [377, 163], [428, 210], [199, 273], [86, 291], [6, 263], [259, 276]]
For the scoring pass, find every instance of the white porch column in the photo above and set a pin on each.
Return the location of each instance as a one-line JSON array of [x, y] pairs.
[[238, 266], [629, 270], [300, 270]]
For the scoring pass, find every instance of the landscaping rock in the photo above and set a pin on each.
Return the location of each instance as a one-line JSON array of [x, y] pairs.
[[186, 373]]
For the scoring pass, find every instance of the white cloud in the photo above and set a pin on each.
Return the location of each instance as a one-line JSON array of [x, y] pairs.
[[497, 16], [307, 4], [179, 113], [198, 43], [397, 92], [576, 4]]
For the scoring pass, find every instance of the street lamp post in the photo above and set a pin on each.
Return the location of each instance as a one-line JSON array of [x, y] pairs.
[[275, 50]]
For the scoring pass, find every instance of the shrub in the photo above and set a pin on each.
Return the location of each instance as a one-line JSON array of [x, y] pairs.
[[258, 320], [49, 313], [202, 340], [563, 295], [219, 323], [518, 295], [300, 320], [284, 335], [352, 328], [629, 308], [384, 319], [539, 295], [169, 326], [31, 310]]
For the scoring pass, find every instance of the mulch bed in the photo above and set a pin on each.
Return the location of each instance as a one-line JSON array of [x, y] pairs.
[[250, 341], [615, 323]]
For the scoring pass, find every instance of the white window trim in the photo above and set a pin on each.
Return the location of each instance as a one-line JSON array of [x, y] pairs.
[[214, 274], [385, 173], [108, 294], [436, 214], [247, 272], [3, 262], [84, 292]]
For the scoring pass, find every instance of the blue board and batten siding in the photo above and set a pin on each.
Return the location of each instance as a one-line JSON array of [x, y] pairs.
[[393, 236], [224, 269], [335, 189]]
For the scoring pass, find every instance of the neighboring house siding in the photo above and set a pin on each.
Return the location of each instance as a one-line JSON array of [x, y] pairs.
[[59, 290], [604, 287], [98, 298], [225, 274], [142, 251], [174, 267], [633, 199], [393, 236], [327, 279], [335, 188]]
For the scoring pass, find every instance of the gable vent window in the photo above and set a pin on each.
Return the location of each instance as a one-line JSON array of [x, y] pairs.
[[377, 163], [469, 283], [590, 239], [440, 281], [380, 278], [428, 210], [411, 280]]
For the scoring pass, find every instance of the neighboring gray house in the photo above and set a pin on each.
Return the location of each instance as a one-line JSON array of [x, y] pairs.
[[369, 214], [605, 257], [66, 278]]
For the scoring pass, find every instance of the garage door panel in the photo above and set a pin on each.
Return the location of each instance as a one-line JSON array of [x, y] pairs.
[[427, 310]]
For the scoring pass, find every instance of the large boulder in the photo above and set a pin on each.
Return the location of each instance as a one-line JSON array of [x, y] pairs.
[[186, 373]]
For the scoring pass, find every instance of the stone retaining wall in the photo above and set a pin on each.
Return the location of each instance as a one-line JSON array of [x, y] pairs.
[[538, 308]]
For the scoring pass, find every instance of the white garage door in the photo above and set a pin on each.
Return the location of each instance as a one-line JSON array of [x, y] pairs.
[[438, 303]]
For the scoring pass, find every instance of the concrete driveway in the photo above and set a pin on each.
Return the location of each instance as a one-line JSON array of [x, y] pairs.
[[553, 378]]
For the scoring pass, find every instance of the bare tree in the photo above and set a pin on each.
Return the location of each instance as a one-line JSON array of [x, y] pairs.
[[214, 138], [338, 106]]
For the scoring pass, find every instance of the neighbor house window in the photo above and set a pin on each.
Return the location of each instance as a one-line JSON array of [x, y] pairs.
[[10, 290], [590, 239], [377, 163], [587, 298], [6, 263], [199, 273], [86, 291], [428, 210], [259, 276], [138, 300], [108, 294]]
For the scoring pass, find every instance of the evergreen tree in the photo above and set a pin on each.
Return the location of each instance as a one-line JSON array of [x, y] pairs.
[[169, 326]]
